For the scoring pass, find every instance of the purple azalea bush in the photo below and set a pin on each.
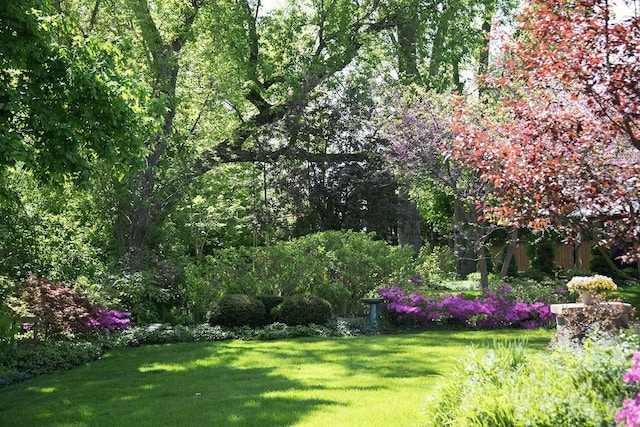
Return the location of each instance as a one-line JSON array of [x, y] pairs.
[[110, 320], [629, 415], [489, 311]]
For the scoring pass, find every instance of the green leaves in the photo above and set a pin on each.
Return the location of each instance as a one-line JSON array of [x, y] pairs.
[[64, 101]]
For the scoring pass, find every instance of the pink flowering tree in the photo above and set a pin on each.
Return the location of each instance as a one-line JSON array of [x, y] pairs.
[[418, 127], [564, 151]]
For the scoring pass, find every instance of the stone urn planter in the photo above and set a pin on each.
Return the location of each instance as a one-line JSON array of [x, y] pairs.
[[588, 286], [586, 297]]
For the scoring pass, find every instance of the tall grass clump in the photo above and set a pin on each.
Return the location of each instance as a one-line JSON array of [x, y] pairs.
[[507, 386]]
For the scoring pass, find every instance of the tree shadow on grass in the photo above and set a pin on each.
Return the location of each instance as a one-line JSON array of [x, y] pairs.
[[174, 390]]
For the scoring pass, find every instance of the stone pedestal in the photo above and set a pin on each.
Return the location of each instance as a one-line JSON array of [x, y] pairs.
[[560, 310]]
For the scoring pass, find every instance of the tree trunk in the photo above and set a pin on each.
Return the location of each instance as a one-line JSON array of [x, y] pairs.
[[483, 268], [408, 223], [464, 251], [509, 253]]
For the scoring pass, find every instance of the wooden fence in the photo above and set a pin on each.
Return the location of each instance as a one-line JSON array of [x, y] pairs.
[[565, 256]]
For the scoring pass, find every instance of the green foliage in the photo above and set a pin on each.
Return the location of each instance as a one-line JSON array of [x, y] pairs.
[[66, 101], [141, 293], [341, 267], [218, 212], [541, 256], [506, 386], [355, 261], [8, 330], [304, 310], [270, 303], [227, 271], [549, 291], [46, 357], [436, 265], [50, 232], [238, 310], [136, 337]]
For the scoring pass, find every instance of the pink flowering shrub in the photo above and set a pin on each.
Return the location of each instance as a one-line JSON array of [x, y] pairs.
[[489, 311], [629, 415]]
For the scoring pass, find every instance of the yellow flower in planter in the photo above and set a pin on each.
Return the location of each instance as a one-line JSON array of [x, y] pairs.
[[593, 284]]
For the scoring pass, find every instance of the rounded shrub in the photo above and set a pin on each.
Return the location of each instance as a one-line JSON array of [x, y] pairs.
[[271, 302], [304, 310], [237, 310]]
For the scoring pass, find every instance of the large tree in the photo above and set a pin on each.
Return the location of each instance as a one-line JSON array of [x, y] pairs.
[[66, 102], [564, 153]]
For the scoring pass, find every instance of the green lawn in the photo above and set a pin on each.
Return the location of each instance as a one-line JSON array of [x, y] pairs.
[[629, 294], [360, 381]]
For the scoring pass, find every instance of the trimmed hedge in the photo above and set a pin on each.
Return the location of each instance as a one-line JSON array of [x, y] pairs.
[[237, 310], [304, 310]]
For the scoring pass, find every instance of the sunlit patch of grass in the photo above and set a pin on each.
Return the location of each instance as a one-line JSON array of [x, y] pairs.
[[359, 381], [43, 389], [162, 367]]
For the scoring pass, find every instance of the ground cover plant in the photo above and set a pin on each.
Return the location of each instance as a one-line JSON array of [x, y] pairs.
[[570, 386], [357, 381]]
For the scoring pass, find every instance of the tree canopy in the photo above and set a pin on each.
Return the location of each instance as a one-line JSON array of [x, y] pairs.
[[561, 149]]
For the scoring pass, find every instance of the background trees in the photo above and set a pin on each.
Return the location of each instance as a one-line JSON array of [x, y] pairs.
[[197, 125]]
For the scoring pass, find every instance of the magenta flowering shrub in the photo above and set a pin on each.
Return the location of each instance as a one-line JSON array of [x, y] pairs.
[[629, 415], [492, 310], [110, 320]]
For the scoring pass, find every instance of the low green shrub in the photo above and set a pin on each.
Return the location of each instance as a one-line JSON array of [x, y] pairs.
[[503, 386], [27, 361], [46, 357], [238, 310], [549, 291], [135, 337], [304, 310]]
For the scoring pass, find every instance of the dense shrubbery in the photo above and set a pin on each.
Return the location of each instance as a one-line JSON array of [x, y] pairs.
[[304, 310], [270, 303], [238, 310], [489, 311], [26, 361], [340, 267], [509, 386], [527, 289]]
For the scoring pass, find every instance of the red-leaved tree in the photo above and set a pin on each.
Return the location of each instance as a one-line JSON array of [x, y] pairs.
[[562, 148]]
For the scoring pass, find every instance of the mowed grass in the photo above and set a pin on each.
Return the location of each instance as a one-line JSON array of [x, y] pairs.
[[358, 381]]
